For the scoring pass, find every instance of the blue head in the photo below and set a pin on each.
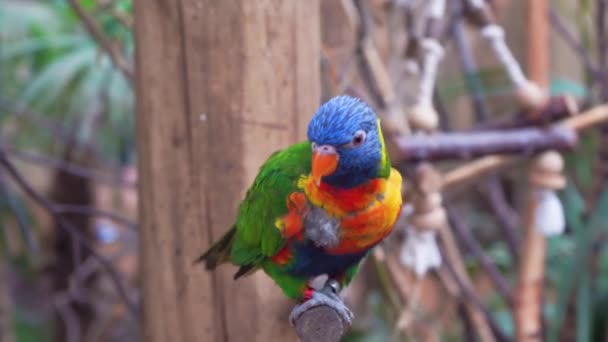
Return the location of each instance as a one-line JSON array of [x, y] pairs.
[[347, 143]]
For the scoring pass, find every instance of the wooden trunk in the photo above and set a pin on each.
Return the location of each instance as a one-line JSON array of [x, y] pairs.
[[220, 86]]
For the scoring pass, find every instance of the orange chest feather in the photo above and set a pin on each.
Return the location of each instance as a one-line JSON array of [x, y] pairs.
[[366, 213]]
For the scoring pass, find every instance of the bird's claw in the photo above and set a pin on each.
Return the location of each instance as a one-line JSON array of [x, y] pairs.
[[328, 296]]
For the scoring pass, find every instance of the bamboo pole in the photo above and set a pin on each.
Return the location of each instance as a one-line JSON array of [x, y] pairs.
[[527, 309]]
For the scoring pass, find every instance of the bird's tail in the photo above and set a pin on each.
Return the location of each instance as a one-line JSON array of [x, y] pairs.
[[219, 253]]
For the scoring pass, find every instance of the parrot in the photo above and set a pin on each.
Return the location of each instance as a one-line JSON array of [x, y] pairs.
[[316, 208]]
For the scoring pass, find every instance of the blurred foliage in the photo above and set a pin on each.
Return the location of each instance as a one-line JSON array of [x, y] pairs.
[[57, 87], [51, 66]]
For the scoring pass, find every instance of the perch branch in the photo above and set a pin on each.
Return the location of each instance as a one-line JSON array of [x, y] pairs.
[[320, 324], [112, 50]]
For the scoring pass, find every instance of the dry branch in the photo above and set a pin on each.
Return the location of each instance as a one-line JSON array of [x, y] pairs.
[[374, 73], [473, 302], [489, 164], [557, 108], [467, 145]]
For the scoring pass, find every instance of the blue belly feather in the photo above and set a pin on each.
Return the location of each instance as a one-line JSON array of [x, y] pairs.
[[311, 261]]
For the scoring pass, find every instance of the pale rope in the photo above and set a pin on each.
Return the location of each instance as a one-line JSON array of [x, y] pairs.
[[433, 52], [496, 37]]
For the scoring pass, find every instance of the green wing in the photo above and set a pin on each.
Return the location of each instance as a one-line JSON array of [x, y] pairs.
[[257, 237]]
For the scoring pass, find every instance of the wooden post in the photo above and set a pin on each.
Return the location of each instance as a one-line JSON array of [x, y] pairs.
[[220, 86]]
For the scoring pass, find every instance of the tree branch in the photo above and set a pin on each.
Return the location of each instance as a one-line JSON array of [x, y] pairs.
[[467, 145], [488, 164], [469, 295], [557, 108]]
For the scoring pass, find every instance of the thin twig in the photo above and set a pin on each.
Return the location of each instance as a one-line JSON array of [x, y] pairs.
[[575, 45], [55, 128], [452, 258], [60, 131], [602, 41], [74, 231], [470, 296], [470, 71], [61, 209], [374, 74], [492, 191], [506, 216], [95, 175], [71, 320], [464, 235], [112, 50]]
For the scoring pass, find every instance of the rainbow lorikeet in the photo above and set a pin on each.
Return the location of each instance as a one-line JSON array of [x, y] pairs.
[[317, 207]]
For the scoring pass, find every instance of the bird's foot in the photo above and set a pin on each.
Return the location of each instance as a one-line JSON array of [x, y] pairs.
[[328, 296]]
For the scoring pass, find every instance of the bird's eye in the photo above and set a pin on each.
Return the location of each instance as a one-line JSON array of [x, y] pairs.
[[313, 145], [358, 139]]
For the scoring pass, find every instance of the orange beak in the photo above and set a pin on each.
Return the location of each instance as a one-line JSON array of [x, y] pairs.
[[324, 162]]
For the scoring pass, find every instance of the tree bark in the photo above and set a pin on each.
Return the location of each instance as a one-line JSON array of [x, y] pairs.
[[220, 85]]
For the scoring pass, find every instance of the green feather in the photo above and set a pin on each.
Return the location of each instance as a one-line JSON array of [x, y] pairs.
[[257, 237], [254, 239]]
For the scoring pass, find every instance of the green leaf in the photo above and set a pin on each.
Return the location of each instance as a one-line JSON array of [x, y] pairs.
[[48, 85], [574, 207], [584, 308], [573, 266], [23, 48], [17, 16]]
